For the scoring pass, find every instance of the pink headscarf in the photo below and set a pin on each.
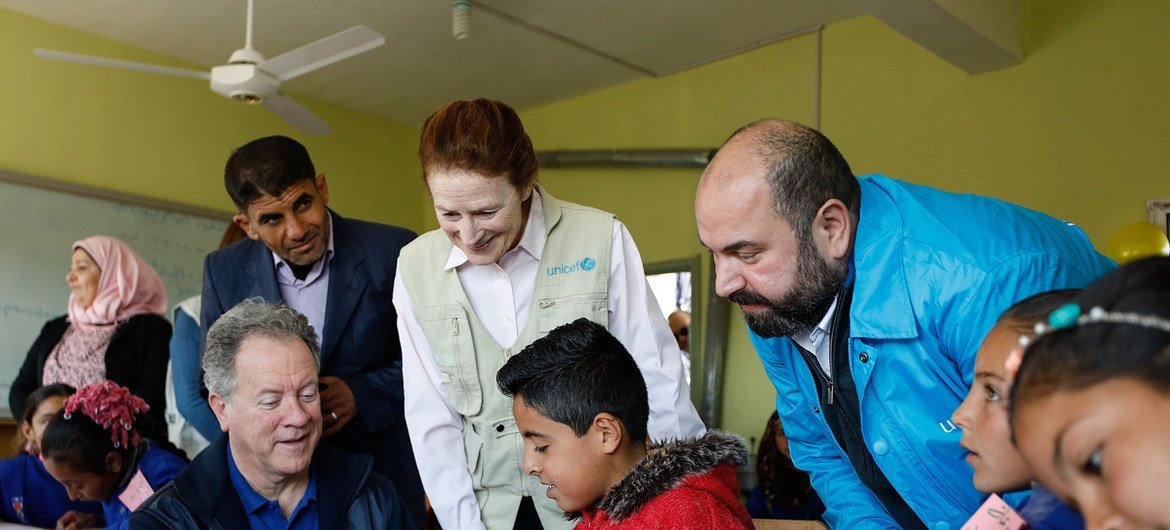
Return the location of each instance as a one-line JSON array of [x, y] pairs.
[[128, 286]]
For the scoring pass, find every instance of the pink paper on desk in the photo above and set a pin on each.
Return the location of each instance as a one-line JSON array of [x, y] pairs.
[[136, 492], [995, 514]]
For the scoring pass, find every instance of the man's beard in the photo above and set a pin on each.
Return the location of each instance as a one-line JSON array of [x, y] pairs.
[[803, 306]]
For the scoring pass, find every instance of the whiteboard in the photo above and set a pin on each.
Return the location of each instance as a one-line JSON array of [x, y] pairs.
[[37, 229]]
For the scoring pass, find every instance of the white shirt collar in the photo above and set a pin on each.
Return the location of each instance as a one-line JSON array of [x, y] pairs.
[[811, 338]]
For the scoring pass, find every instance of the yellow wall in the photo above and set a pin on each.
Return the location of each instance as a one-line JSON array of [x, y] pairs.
[[1079, 129], [168, 137]]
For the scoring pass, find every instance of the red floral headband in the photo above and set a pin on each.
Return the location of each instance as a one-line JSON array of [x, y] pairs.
[[111, 406]]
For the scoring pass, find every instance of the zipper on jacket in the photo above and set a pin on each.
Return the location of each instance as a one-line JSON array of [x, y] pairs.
[[188, 505], [826, 386], [818, 373], [549, 302], [829, 380]]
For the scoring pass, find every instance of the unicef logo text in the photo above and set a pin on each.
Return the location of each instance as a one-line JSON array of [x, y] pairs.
[[586, 264]]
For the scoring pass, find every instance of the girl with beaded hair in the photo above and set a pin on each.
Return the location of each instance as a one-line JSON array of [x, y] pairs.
[[103, 447], [1091, 400]]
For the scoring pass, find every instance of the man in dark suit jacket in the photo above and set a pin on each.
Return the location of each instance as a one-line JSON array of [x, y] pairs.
[[338, 272]]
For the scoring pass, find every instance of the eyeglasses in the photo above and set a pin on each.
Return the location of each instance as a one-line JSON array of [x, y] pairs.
[[685, 330]]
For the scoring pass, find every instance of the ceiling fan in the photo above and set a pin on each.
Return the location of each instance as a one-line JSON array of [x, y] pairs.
[[250, 78]]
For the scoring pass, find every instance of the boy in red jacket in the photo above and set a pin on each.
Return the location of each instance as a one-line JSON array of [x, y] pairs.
[[580, 403]]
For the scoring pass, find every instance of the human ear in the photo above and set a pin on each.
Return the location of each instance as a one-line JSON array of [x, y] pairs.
[[114, 462], [241, 220], [833, 229], [609, 431], [322, 188], [219, 408]]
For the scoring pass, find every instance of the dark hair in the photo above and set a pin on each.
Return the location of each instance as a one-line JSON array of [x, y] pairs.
[[782, 483], [266, 166], [485, 136], [35, 399], [576, 372], [804, 170], [1023, 316], [1086, 354], [82, 444]]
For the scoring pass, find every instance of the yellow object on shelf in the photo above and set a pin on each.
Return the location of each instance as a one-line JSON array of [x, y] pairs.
[[1137, 240]]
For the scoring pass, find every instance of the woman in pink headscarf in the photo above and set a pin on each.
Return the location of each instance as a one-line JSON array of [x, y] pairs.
[[114, 330]]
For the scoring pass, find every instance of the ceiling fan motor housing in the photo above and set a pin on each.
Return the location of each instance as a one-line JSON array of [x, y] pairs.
[[244, 82]]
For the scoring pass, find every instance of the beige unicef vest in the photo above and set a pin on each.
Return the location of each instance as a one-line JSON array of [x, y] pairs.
[[571, 282]]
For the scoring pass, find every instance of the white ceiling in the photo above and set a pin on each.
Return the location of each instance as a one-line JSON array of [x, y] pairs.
[[524, 52]]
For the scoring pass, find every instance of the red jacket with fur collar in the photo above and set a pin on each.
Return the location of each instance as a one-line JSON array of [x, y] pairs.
[[689, 484]]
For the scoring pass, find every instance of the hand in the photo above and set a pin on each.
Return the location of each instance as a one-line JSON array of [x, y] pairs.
[[336, 397], [76, 520]]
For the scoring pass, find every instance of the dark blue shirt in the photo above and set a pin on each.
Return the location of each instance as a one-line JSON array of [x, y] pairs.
[[264, 514], [1045, 511], [32, 496]]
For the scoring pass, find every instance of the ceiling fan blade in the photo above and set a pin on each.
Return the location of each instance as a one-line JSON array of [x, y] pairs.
[[118, 63], [299, 116], [324, 52]]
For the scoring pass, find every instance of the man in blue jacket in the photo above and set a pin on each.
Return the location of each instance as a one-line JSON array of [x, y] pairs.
[[268, 470], [866, 299]]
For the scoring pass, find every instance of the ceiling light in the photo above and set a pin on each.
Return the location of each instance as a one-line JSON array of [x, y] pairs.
[[460, 19]]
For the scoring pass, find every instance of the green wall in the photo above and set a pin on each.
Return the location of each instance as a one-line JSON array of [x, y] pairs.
[[168, 137], [1078, 129]]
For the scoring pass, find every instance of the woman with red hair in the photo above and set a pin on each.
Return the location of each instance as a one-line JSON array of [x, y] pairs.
[[508, 264]]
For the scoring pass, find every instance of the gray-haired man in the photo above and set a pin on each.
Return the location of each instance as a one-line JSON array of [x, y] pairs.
[[260, 366]]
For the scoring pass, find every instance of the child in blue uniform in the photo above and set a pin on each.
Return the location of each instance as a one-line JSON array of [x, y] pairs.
[[28, 493], [983, 416], [100, 448]]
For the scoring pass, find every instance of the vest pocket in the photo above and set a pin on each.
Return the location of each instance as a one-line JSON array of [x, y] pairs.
[[449, 333], [556, 311], [473, 447], [505, 427]]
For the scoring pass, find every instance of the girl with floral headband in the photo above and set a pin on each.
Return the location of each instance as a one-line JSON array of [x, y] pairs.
[[1091, 402], [28, 494], [103, 447]]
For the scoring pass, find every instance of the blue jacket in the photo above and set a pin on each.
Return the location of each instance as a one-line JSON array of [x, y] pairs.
[[187, 376], [933, 271], [359, 343], [31, 496]]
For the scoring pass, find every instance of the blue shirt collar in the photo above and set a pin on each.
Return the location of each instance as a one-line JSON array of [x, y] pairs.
[[253, 501]]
